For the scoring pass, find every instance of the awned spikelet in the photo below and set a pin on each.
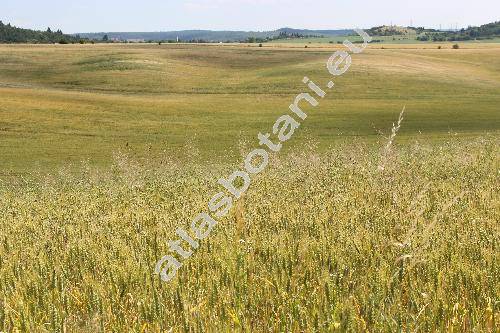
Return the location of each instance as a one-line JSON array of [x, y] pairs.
[[318, 243]]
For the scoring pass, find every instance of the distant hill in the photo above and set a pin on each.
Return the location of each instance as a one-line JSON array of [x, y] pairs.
[[485, 31], [12, 34], [489, 30], [326, 33], [394, 30], [390, 30], [213, 36]]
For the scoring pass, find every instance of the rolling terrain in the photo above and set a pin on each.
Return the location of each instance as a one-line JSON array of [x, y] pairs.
[[364, 222], [62, 104]]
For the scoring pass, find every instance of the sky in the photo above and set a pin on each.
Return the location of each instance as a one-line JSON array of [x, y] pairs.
[[73, 16]]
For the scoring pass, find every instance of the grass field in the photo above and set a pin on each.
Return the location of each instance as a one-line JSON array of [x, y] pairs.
[[108, 149], [320, 243], [64, 104]]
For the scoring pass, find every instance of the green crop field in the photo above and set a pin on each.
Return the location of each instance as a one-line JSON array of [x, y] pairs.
[[359, 224]]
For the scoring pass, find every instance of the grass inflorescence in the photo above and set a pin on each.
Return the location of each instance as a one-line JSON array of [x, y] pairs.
[[320, 242]]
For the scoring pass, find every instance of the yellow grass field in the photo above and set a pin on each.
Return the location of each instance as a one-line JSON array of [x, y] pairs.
[[62, 104], [108, 149]]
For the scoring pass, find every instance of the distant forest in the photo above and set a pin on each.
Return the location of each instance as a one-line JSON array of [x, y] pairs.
[[11, 34], [486, 31], [210, 36]]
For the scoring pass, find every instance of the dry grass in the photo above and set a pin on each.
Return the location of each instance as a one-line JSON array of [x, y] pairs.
[[323, 241], [62, 104], [320, 243]]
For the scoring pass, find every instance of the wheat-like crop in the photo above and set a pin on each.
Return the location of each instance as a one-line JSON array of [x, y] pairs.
[[320, 243]]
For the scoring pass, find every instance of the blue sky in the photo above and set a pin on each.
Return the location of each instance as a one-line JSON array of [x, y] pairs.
[[157, 15]]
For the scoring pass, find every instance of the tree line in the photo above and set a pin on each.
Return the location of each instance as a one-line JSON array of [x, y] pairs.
[[486, 31], [12, 34]]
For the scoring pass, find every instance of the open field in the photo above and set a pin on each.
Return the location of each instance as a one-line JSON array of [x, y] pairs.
[[64, 104], [108, 149]]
